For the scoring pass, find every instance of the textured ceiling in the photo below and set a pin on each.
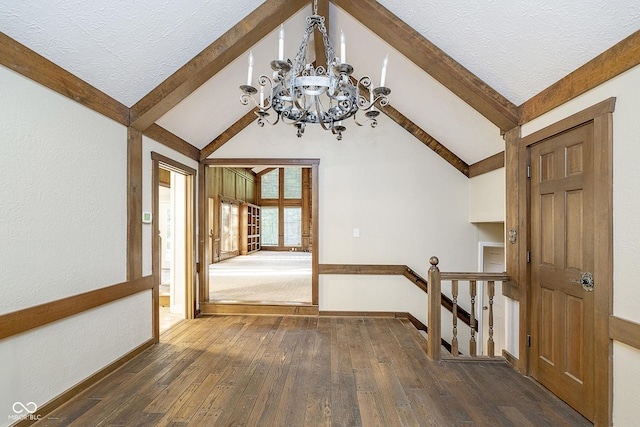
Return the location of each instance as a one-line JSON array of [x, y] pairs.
[[519, 47]]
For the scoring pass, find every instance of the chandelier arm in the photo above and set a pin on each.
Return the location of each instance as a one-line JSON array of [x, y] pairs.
[[320, 110]]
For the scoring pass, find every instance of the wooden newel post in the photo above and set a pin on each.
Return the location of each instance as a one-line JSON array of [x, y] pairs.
[[434, 316]]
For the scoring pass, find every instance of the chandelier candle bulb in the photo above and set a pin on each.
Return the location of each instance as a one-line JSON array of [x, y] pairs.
[[343, 48], [383, 77], [281, 43], [261, 96], [250, 70]]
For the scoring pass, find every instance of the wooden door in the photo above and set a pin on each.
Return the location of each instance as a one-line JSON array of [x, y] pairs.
[[562, 249]]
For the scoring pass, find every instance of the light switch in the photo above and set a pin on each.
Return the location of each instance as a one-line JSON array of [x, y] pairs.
[[356, 232]]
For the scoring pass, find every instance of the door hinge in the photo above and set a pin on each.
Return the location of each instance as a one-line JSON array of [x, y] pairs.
[[528, 340], [528, 256], [528, 171]]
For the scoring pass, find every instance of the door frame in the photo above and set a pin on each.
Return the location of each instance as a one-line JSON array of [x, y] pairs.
[[159, 160], [518, 226], [310, 163]]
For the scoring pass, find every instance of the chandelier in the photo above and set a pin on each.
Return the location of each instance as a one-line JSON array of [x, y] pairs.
[[302, 93]]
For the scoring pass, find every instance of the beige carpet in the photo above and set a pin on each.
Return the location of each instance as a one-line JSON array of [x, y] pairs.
[[262, 277]]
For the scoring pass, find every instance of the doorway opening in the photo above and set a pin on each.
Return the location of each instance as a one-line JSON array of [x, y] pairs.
[[260, 223], [173, 242]]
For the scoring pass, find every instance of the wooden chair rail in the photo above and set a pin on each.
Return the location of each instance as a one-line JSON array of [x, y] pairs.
[[404, 270]]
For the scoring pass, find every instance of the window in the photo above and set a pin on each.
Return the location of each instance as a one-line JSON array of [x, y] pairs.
[[269, 225], [293, 183], [284, 207], [269, 185], [292, 226]]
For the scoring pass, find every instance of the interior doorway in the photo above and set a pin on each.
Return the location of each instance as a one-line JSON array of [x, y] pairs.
[[172, 229], [173, 242], [491, 259], [266, 247]]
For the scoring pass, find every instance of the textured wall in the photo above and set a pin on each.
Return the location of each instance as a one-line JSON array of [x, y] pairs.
[[63, 223], [407, 202], [63, 214]]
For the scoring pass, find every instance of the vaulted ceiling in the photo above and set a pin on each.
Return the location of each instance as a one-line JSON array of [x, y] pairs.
[[493, 55]]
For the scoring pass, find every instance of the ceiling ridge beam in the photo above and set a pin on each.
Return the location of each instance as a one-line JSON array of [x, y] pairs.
[[168, 139], [621, 57], [212, 59], [228, 134], [435, 62]]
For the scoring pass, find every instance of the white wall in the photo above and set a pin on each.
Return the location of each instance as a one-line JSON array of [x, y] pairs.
[[63, 232], [626, 226], [407, 202], [487, 197]]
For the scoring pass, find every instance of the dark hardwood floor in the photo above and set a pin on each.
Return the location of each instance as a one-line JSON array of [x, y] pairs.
[[307, 371]]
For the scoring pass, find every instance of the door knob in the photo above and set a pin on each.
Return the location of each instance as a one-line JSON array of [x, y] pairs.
[[586, 281]]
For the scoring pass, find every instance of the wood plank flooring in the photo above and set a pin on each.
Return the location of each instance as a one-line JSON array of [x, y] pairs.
[[307, 371]]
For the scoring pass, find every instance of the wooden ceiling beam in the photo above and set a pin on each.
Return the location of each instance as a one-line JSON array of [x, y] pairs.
[[229, 133], [614, 61], [163, 136], [433, 61], [212, 59], [28, 63], [426, 139]]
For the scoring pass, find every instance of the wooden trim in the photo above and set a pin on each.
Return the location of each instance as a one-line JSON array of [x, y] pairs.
[[603, 263], [433, 61], [487, 165], [315, 183], [588, 114], [261, 162], [361, 269], [391, 314], [609, 64], [26, 319], [74, 391], [164, 137], [190, 241], [28, 63], [134, 204], [625, 331], [155, 248], [228, 134], [403, 270], [209, 308], [203, 235], [173, 164], [232, 44], [510, 289], [315, 212], [426, 139], [511, 359], [515, 286], [497, 277]]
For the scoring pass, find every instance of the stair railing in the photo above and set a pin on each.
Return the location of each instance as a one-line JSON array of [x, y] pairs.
[[434, 289]]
